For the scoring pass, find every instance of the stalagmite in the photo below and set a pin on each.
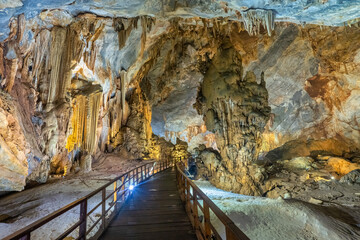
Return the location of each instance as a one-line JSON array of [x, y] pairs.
[[235, 116]]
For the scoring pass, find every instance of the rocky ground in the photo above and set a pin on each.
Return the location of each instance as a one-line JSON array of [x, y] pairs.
[[312, 197], [318, 180], [20, 209], [264, 218]]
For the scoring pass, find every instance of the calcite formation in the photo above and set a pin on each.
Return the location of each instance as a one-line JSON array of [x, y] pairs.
[[236, 110], [254, 19], [250, 83], [86, 106], [62, 92]]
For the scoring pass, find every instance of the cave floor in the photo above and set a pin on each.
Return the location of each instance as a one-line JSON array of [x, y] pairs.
[[20, 209], [260, 218], [154, 211], [265, 218]]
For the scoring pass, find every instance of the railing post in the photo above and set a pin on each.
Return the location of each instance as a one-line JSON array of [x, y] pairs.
[[229, 234], [133, 177], [207, 220], [187, 195], [137, 176], [195, 212], [184, 186], [123, 188], [115, 193], [142, 173], [83, 213], [103, 209]]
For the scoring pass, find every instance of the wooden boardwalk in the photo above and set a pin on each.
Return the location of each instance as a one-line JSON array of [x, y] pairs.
[[155, 211]]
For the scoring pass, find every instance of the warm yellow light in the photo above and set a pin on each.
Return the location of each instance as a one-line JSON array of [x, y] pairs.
[[65, 170]]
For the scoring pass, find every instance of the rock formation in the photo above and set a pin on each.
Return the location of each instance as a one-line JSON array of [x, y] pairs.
[[236, 110], [250, 84]]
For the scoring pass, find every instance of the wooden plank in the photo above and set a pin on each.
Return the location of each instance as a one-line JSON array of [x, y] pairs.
[[155, 211], [168, 218], [154, 228], [174, 235]]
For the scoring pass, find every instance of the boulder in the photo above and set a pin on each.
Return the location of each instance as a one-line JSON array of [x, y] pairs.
[[315, 201], [303, 163], [352, 177]]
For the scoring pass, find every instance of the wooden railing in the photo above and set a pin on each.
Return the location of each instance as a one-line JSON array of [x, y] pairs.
[[198, 207], [115, 197]]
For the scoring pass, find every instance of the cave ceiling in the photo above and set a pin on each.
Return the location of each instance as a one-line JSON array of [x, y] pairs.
[[323, 12]]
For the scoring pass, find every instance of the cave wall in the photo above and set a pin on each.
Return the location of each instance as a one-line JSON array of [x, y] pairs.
[[302, 66], [64, 82], [149, 75], [311, 76]]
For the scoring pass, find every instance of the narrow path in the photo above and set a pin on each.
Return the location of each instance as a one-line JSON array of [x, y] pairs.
[[155, 211]]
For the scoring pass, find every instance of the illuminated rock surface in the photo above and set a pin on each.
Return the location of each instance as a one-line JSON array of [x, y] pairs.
[[246, 86], [96, 84], [263, 96]]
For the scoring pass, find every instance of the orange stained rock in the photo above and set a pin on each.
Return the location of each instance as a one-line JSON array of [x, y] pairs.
[[341, 166]]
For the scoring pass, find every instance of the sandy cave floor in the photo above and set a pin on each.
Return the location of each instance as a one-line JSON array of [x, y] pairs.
[[265, 218], [20, 209]]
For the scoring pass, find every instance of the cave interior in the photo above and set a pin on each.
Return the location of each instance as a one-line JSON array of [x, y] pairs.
[[256, 98]]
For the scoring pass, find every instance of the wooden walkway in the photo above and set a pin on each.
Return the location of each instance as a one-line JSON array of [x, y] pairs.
[[155, 211]]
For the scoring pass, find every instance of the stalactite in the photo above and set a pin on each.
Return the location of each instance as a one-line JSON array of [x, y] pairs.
[[92, 119], [146, 25], [86, 105], [56, 52], [21, 27], [124, 26], [123, 79], [254, 18], [90, 53], [2, 68], [147, 115], [11, 74]]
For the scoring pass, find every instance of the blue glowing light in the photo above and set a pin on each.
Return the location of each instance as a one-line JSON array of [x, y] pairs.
[[131, 187]]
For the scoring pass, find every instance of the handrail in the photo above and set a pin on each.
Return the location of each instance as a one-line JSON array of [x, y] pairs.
[[204, 229], [121, 191]]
